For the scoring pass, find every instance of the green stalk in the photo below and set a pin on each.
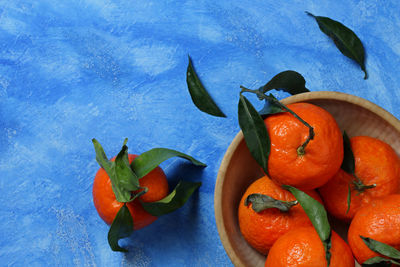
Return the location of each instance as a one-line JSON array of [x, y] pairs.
[[360, 186]]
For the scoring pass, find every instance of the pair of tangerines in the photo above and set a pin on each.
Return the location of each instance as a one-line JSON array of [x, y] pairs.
[[365, 198]]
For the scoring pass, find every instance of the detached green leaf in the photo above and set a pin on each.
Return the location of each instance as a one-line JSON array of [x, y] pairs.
[[121, 227], [149, 160], [348, 164], [345, 39], [255, 133], [199, 94], [176, 199], [270, 107], [381, 248], [123, 179], [379, 262], [262, 202], [289, 81], [318, 217]]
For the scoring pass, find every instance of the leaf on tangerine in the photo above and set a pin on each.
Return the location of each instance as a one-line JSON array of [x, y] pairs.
[[379, 262], [254, 131], [149, 160], [288, 81], [381, 248], [176, 199], [262, 202], [348, 199], [317, 215], [123, 179], [121, 227]]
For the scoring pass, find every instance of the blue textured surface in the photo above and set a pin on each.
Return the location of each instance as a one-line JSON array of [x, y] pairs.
[[78, 69]]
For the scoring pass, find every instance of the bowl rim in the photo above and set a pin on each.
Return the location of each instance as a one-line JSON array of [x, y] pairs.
[[319, 95]]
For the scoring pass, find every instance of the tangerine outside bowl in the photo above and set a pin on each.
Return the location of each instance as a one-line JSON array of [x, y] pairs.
[[238, 169]]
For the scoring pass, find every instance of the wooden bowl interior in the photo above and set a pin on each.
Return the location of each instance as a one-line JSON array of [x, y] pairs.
[[238, 169]]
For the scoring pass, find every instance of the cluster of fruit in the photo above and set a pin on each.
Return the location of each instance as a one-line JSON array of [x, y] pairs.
[[365, 196]]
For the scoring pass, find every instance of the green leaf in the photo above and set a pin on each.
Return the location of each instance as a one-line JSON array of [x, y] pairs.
[[121, 227], [289, 81], [123, 179], [270, 107], [379, 262], [262, 202], [255, 133], [381, 248], [345, 39], [348, 164], [348, 199], [199, 94], [176, 199], [101, 157], [124, 174], [149, 160], [318, 217]]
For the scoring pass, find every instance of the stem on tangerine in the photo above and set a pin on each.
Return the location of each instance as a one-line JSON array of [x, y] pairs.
[[360, 186], [301, 150]]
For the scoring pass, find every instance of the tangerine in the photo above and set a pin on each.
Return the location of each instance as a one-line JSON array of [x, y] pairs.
[[378, 169], [380, 220], [107, 206], [303, 247], [262, 229], [313, 166]]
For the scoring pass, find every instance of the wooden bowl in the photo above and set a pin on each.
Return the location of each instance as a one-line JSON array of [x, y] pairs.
[[238, 169]]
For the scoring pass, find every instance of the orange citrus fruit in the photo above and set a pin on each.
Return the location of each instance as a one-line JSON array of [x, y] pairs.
[[380, 220], [376, 163], [262, 229], [322, 156], [303, 247], [107, 206]]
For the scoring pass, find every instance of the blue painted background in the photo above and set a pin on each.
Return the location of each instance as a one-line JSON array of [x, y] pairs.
[[78, 69]]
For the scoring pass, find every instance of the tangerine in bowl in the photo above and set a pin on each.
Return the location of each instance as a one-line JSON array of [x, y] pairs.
[[355, 115]]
